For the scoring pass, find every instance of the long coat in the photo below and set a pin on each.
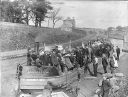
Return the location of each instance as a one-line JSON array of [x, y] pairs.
[[45, 59], [105, 88], [54, 59], [68, 62], [104, 61]]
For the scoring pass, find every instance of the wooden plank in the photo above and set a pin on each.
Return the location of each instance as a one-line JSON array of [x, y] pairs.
[[31, 87], [33, 82]]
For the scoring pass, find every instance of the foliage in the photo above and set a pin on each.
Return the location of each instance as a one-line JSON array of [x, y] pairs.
[[39, 10], [20, 36], [26, 11], [123, 92], [109, 29], [22, 11], [119, 28], [11, 11], [54, 16]]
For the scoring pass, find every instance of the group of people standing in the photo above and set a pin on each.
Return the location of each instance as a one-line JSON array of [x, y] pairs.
[[79, 57], [82, 56], [111, 60], [107, 85]]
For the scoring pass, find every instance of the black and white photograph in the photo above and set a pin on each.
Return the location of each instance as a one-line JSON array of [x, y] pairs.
[[63, 48]]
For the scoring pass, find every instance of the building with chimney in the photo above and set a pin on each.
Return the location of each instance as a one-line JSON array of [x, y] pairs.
[[68, 24], [126, 39]]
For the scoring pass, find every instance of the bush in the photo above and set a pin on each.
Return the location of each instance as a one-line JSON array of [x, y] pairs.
[[123, 92]]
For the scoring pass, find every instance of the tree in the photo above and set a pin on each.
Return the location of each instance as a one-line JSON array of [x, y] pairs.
[[40, 9], [11, 11], [54, 16], [26, 10], [110, 29], [119, 28], [3, 6], [17, 12], [0, 10], [22, 11]]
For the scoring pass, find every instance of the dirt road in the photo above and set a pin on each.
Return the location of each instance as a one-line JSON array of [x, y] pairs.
[[123, 64], [88, 86], [8, 71]]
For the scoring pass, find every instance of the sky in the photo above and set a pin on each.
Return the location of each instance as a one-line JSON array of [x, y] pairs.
[[93, 14]]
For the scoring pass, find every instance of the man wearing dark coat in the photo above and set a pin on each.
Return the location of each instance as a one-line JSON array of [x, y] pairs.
[[80, 57], [45, 59], [76, 52], [104, 63], [87, 62], [28, 57], [54, 59], [106, 86], [95, 65], [118, 52], [111, 62], [34, 56]]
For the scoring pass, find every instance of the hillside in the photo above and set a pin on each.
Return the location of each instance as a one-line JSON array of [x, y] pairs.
[[18, 36]]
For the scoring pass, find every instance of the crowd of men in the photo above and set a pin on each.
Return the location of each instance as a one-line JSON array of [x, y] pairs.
[[77, 57]]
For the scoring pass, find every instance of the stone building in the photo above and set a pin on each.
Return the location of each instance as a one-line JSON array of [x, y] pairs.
[[68, 24], [120, 39], [117, 40], [126, 40]]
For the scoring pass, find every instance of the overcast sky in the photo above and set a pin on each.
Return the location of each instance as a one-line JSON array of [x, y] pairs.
[[94, 14]]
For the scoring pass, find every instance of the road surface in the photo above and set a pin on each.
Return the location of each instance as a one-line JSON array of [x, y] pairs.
[[87, 85], [123, 64]]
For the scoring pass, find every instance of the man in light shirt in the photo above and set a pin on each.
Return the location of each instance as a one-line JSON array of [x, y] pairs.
[[95, 65]]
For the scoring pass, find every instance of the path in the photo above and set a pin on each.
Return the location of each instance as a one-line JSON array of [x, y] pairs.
[[88, 86], [123, 64]]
